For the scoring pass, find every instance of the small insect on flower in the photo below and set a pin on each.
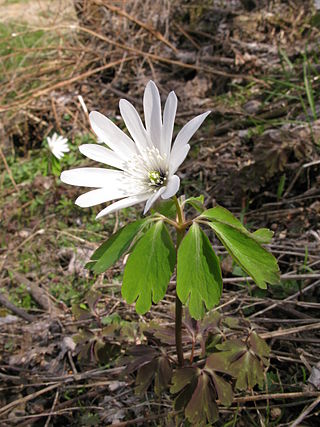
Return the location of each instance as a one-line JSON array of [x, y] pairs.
[[58, 145], [145, 165]]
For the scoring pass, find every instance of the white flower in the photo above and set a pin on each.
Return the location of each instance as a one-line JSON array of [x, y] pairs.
[[145, 165], [58, 145]]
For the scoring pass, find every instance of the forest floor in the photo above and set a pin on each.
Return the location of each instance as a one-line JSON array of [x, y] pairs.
[[63, 329]]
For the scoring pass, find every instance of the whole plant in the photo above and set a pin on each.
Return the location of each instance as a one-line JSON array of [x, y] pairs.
[[143, 169]]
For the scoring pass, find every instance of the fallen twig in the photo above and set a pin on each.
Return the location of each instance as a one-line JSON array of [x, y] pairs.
[[18, 311], [9, 171], [289, 331], [307, 411]]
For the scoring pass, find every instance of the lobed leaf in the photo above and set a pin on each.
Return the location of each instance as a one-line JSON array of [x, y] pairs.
[[218, 362], [245, 362], [196, 202], [198, 391], [145, 376], [223, 389], [202, 408], [92, 298], [222, 215], [111, 250], [165, 207], [252, 258], [165, 333], [151, 364], [245, 247], [248, 371], [199, 281], [182, 377], [260, 347], [149, 268], [163, 375], [263, 235], [104, 352]]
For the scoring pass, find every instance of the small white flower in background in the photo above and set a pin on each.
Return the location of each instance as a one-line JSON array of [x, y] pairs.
[[58, 145], [145, 165]]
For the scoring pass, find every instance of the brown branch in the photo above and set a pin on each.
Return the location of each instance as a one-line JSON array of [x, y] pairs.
[[290, 331], [172, 61], [275, 396], [25, 399], [64, 83], [307, 411], [141, 24], [9, 171], [18, 311]]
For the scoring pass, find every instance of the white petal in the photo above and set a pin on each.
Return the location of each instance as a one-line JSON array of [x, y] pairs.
[[152, 113], [61, 144], [111, 135], [61, 140], [101, 195], [101, 154], [172, 187], [65, 149], [57, 153], [188, 131], [152, 199], [177, 158], [124, 203], [54, 137], [169, 115], [91, 177], [134, 125]]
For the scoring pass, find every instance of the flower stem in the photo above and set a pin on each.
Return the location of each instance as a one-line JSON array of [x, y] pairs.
[[178, 321], [179, 214], [179, 331]]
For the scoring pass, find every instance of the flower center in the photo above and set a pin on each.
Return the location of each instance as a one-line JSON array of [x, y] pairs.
[[146, 171], [156, 178]]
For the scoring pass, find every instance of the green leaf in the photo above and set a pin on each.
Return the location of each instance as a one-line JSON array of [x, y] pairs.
[[252, 258], [224, 216], [166, 208], [244, 246], [111, 250], [55, 166], [149, 268], [199, 282], [196, 202], [263, 235]]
